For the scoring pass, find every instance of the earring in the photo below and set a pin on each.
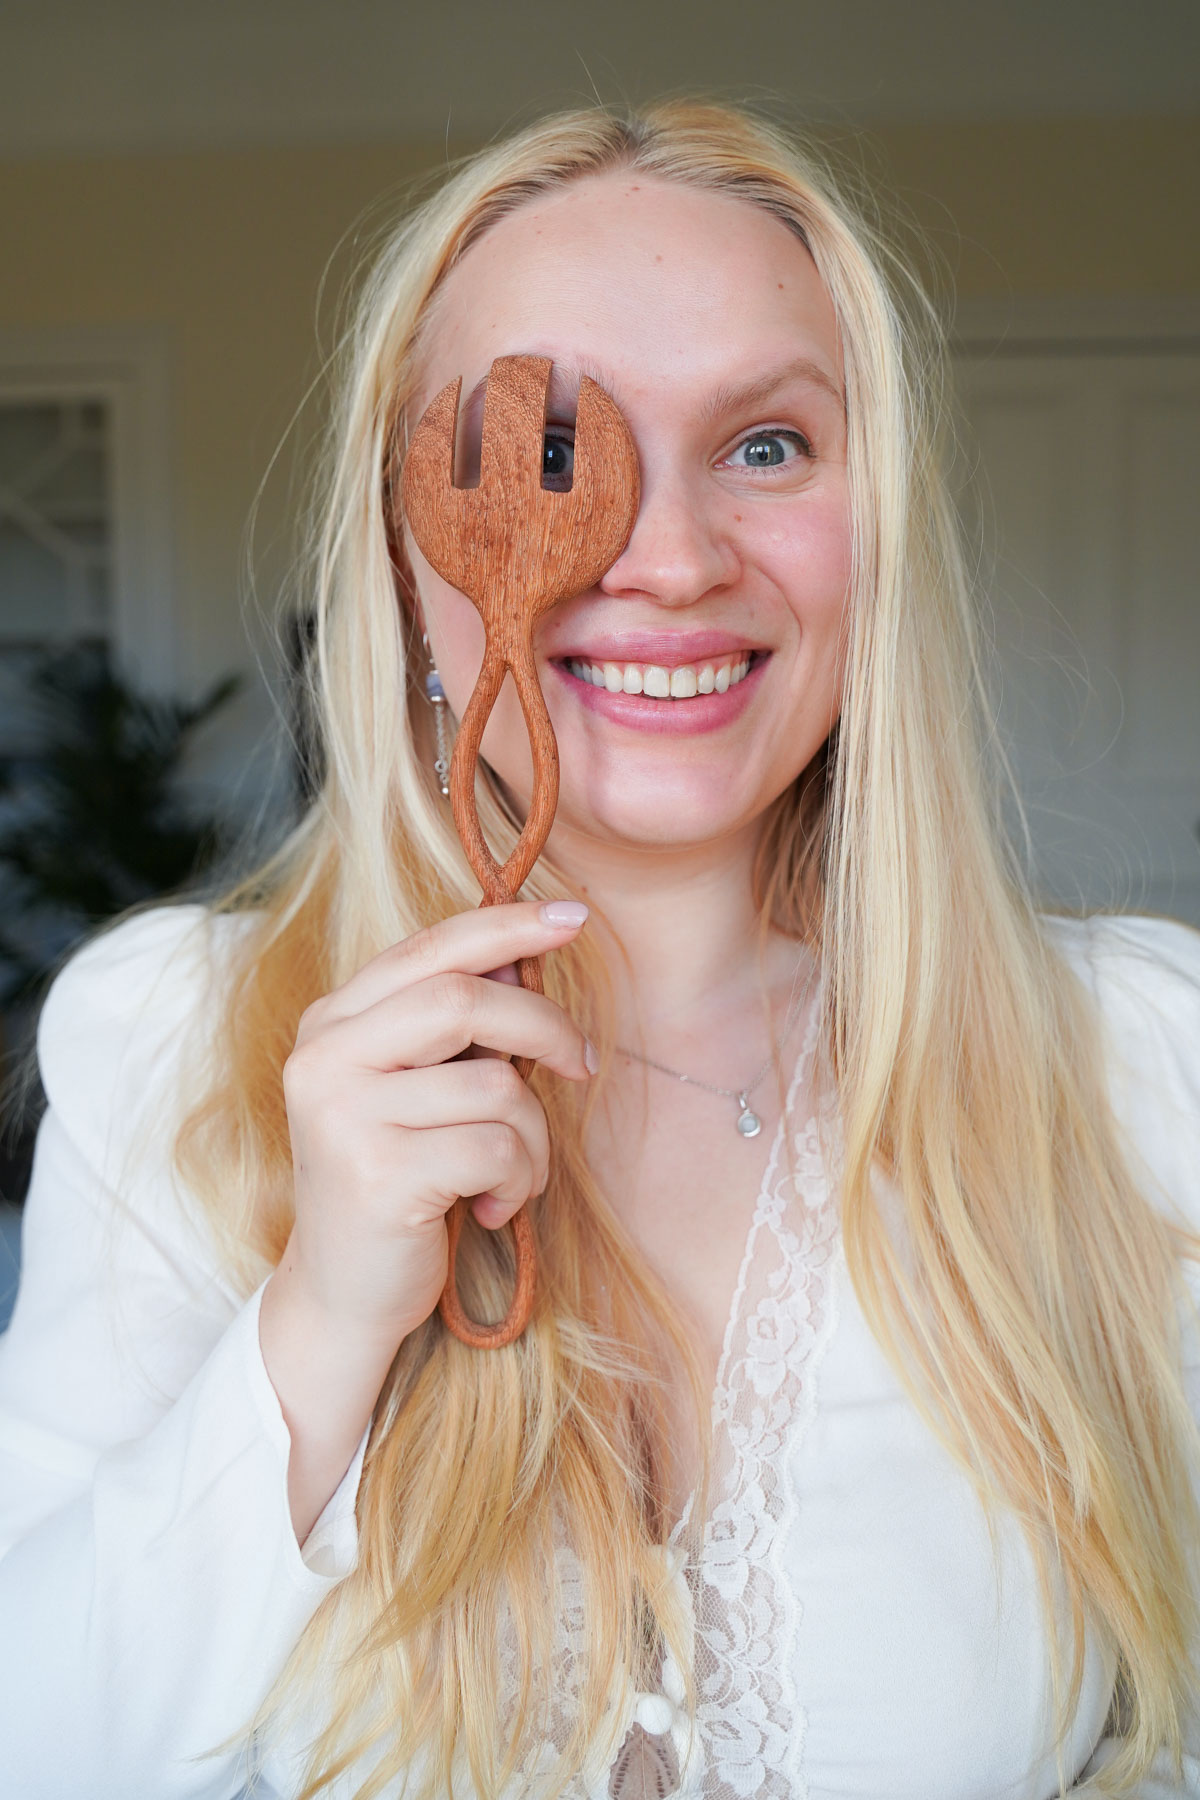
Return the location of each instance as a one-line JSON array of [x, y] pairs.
[[435, 693]]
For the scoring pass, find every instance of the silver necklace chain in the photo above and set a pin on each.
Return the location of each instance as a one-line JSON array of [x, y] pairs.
[[748, 1122]]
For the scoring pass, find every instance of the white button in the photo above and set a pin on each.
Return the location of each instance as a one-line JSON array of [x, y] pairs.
[[654, 1713]]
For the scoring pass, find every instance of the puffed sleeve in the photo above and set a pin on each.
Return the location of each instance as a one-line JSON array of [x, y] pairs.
[[1145, 975], [151, 1584]]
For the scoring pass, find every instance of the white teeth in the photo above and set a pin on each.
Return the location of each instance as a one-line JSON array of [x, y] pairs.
[[659, 682]]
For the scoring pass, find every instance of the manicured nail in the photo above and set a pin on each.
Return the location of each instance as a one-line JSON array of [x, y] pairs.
[[563, 913], [591, 1060]]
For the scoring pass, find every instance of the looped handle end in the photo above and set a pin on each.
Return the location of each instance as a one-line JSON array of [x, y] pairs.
[[467, 1330]]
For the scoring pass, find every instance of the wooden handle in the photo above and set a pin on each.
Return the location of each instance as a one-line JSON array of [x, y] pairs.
[[501, 885], [454, 1316], [515, 548]]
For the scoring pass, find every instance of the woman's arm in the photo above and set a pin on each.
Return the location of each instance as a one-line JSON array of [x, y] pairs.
[[171, 1443], [152, 1585], [1145, 976]]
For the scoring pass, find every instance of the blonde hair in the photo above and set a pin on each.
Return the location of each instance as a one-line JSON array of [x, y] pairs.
[[1032, 1320]]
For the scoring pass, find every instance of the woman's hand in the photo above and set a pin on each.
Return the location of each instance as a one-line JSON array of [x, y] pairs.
[[393, 1113], [395, 1109]]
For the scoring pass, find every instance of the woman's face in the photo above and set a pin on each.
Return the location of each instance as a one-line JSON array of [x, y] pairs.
[[707, 322]]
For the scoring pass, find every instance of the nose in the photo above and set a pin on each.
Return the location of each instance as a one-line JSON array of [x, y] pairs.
[[677, 551]]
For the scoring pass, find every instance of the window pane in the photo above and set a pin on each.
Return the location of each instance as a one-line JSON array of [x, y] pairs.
[[35, 589], [55, 540], [28, 433]]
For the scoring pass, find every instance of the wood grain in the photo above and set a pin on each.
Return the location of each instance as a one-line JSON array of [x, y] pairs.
[[515, 549]]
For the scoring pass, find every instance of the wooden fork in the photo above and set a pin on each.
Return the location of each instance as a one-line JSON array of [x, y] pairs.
[[515, 549]]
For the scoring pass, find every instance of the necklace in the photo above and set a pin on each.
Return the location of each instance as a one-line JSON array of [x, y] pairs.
[[748, 1121]]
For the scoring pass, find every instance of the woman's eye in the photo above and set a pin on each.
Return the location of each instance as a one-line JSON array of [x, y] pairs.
[[558, 461], [769, 450]]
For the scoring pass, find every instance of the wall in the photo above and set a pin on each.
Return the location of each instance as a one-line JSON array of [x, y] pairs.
[[227, 252]]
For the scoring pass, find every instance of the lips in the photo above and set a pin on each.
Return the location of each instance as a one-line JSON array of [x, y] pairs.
[[667, 649], [672, 706]]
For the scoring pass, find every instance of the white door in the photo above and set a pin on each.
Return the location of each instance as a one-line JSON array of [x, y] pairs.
[[1086, 487]]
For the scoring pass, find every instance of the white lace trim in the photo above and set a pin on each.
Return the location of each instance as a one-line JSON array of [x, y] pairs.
[[751, 1723], [742, 1607]]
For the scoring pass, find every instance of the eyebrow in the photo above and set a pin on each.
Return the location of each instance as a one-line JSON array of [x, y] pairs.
[[739, 396]]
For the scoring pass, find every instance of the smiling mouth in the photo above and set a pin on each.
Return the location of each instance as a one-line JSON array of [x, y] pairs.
[[715, 675]]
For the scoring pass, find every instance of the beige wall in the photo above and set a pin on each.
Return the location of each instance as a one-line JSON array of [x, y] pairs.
[[227, 251], [1057, 207]]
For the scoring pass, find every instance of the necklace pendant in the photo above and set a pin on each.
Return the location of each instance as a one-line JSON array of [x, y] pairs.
[[749, 1123]]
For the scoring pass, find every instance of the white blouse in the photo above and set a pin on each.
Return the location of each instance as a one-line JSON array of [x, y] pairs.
[[854, 1636]]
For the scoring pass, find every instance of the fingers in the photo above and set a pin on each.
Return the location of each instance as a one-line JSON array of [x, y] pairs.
[[488, 1159], [396, 1108], [474, 943], [440, 1018], [464, 1093], [509, 974]]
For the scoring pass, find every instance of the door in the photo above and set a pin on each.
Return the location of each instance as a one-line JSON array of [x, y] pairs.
[[1081, 475]]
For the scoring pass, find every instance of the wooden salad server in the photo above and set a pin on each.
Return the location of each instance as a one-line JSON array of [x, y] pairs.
[[515, 549]]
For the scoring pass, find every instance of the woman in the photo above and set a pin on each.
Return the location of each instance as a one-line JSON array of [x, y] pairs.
[[938, 1539]]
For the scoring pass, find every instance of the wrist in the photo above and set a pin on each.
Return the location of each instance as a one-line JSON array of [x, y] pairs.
[[310, 1353]]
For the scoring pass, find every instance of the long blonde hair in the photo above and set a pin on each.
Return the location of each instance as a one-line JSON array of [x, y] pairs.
[[1033, 1317]]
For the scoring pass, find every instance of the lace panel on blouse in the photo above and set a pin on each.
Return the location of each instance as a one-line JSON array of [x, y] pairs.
[[749, 1740]]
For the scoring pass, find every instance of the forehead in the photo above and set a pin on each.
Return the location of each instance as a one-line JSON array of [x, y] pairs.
[[654, 281]]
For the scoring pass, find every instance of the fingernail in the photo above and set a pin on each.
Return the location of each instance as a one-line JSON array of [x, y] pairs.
[[563, 912], [591, 1060]]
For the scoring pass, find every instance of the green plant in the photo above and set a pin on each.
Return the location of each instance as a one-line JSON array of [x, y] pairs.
[[93, 820]]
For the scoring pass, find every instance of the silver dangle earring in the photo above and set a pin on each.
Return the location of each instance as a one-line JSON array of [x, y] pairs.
[[435, 693]]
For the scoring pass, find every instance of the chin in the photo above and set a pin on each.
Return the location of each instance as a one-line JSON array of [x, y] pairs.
[[671, 823]]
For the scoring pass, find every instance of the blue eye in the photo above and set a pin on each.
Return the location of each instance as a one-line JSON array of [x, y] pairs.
[[558, 462], [770, 449]]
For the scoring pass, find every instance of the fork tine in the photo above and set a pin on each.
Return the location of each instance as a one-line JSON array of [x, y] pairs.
[[430, 457], [432, 504], [605, 489], [514, 425]]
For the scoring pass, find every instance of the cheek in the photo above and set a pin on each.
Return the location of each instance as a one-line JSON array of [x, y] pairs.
[[456, 638], [811, 559]]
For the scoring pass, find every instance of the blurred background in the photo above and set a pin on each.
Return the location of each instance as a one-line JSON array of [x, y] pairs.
[[185, 193]]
